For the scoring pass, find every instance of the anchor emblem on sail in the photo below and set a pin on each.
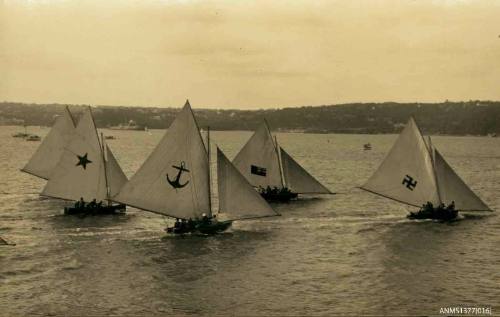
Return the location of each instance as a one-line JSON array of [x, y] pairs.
[[176, 182]]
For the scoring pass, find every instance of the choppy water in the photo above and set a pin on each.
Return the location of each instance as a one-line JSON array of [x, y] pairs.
[[352, 253]]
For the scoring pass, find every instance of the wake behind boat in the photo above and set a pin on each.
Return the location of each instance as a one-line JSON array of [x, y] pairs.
[[415, 173], [272, 171], [174, 181]]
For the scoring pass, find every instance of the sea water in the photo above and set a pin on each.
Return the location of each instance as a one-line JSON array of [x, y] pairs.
[[350, 253]]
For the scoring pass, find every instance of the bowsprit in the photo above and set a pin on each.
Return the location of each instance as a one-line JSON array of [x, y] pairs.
[[409, 182], [176, 182]]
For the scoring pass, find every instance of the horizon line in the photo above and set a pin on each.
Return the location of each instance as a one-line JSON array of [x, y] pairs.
[[256, 109]]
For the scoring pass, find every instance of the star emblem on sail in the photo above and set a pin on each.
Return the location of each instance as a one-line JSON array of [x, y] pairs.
[[96, 174], [264, 163], [414, 172], [182, 142], [83, 161]]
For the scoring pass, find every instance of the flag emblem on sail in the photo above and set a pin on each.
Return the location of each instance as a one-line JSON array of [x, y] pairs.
[[258, 152], [83, 161], [256, 170], [409, 182], [176, 182]]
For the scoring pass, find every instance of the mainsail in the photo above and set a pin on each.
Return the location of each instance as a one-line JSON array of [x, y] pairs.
[[174, 179], [48, 154], [258, 160], [453, 188], [80, 171], [407, 173], [414, 172], [297, 179], [237, 198]]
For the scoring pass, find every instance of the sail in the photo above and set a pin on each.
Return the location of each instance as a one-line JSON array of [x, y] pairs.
[[80, 171], [453, 188], [258, 160], [297, 179], [173, 180], [406, 174], [43, 162], [115, 176], [237, 198]]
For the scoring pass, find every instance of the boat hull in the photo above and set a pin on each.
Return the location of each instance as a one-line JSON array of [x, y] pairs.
[[279, 197], [102, 210], [435, 214], [202, 228]]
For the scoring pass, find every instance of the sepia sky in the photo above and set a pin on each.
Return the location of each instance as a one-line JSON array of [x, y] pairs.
[[248, 54]]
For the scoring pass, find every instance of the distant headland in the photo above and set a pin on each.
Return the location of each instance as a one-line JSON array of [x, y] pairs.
[[472, 117]]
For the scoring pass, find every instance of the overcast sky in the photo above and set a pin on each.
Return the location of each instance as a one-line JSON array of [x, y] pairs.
[[248, 54]]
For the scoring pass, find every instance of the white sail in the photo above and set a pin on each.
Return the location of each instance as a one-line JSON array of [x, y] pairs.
[[297, 179], [258, 160], [80, 171], [237, 198], [48, 154], [406, 174], [115, 176], [174, 179], [452, 187]]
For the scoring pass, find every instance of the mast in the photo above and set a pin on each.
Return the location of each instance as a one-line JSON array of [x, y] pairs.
[[283, 183], [277, 152], [105, 171], [101, 147], [209, 174], [433, 160]]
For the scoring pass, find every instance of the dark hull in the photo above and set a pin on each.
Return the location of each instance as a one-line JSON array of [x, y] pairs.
[[279, 197], [435, 214], [103, 210], [202, 228]]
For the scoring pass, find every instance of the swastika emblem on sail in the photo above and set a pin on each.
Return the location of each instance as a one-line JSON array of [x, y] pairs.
[[176, 182], [409, 182]]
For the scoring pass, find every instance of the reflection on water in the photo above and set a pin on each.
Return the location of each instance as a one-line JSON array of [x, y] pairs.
[[351, 253]]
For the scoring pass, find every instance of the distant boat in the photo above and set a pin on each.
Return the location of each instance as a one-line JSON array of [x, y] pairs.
[[87, 169], [415, 173], [131, 125], [175, 181], [33, 137], [367, 146], [22, 134], [269, 168], [109, 137]]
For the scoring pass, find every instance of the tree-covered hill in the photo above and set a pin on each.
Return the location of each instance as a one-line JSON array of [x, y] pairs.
[[458, 118]]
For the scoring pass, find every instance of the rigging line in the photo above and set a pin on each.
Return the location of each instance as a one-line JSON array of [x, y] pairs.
[[27, 193]]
